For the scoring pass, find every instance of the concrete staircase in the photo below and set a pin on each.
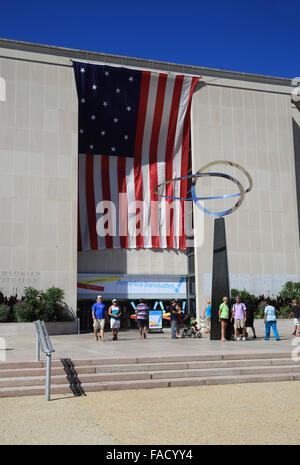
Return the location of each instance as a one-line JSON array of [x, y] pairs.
[[28, 378]]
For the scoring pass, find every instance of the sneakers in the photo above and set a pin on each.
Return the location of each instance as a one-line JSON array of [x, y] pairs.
[[238, 338], [243, 338]]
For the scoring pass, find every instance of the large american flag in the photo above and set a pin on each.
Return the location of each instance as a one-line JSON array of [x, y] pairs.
[[134, 131]]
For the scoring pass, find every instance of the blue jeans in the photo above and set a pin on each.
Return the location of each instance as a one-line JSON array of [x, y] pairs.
[[173, 328], [272, 324]]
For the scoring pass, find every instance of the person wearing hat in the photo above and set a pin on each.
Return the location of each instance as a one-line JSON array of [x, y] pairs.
[[239, 313], [114, 312], [99, 314], [207, 316], [175, 312]]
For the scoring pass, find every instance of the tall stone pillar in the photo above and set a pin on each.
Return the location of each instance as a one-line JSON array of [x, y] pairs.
[[220, 278]]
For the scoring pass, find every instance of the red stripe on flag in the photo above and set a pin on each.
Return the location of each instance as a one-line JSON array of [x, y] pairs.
[[106, 195], [90, 200], [153, 175], [138, 177], [170, 153], [123, 208], [185, 160]]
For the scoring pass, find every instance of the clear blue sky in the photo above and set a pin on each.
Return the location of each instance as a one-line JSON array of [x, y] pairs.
[[251, 36]]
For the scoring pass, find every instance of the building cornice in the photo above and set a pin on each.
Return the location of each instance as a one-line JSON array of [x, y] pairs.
[[139, 62]]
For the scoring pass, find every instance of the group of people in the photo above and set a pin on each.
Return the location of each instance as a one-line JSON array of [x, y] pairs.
[[100, 315], [242, 320], [238, 316]]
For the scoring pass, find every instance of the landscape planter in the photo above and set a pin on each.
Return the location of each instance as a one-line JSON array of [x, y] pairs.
[[54, 328], [284, 324]]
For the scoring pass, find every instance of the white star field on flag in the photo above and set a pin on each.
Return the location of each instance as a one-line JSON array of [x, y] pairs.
[[110, 99]]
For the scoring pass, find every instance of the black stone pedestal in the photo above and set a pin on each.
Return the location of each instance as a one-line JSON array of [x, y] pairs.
[[220, 279]]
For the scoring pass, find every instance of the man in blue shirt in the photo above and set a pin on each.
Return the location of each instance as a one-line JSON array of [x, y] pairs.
[[99, 315]]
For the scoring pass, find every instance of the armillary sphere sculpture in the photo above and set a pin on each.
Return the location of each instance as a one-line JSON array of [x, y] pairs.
[[220, 275]]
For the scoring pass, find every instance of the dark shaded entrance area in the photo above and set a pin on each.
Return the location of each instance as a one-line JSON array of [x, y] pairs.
[[86, 323]]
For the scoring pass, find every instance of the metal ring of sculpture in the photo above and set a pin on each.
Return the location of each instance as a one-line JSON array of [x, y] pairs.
[[201, 173]]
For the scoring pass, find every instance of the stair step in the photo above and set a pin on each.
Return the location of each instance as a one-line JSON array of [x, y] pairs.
[[210, 372], [15, 365], [28, 378], [149, 383], [242, 362], [58, 363], [263, 355], [86, 369], [143, 375], [144, 360], [33, 390], [178, 382]]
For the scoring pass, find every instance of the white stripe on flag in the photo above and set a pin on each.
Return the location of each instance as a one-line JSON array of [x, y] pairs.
[[98, 194], [161, 166], [145, 160], [177, 158], [131, 202], [84, 224], [114, 197]]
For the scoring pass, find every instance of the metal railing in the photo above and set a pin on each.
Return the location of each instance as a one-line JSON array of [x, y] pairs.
[[43, 344]]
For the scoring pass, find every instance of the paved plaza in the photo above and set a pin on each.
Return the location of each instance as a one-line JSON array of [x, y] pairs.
[[254, 413], [82, 346]]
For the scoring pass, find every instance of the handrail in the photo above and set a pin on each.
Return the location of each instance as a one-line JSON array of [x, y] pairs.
[[43, 343]]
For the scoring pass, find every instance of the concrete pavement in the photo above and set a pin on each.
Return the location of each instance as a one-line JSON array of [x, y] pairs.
[[263, 413], [83, 346]]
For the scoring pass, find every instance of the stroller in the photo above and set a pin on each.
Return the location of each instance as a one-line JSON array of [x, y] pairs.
[[188, 331]]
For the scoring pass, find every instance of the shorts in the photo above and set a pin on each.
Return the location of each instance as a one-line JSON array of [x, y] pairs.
[[224, 319], [250, 322], [207, 322], [141, 323], [239, 323], [297, 321], [99, 323], [114, 324]]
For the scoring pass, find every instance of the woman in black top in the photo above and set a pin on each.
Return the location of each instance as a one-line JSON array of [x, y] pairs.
[[250, 320], [295, 311]]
